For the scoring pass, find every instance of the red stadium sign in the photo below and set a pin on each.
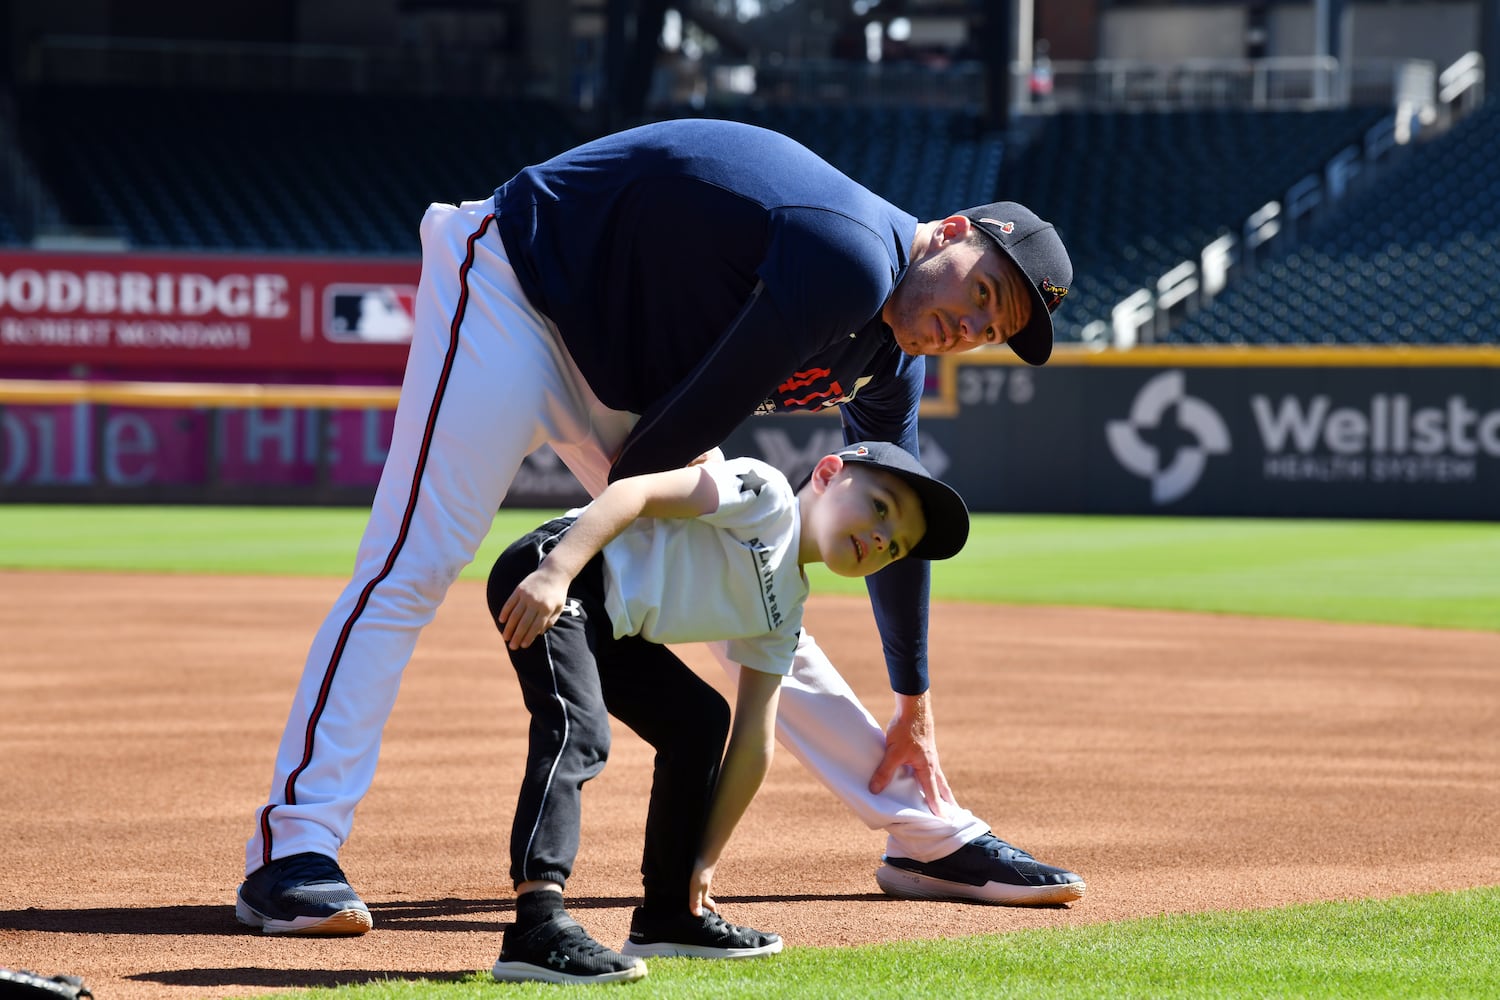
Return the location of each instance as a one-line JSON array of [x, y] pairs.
[[283, 314]]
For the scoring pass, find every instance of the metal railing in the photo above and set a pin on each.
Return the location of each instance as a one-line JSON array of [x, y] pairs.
[[1298, 82], [830, 81], [1461, 85], [214, 65], [1420, 99], [1292, 82], [1105, 84]]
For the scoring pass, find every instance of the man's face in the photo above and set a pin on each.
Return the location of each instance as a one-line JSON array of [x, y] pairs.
[[961, 293]]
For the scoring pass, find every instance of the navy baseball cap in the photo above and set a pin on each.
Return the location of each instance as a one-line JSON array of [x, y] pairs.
[[944, 510], [1038, 251]]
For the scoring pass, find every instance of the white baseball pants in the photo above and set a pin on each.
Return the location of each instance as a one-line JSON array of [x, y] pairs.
[[487, 382]]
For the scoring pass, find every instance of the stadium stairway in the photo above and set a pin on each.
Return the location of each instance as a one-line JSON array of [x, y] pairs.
[[1136, 193], [1411, 258]]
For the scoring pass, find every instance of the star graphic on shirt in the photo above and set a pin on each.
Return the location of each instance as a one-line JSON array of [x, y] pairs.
[[750, 482]]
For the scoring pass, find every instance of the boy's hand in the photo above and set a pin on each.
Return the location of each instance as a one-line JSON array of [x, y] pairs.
[[533, 607], [712, 455], [698, 897]]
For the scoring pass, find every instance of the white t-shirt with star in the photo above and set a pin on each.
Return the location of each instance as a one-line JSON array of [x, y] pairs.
[[732, 574]]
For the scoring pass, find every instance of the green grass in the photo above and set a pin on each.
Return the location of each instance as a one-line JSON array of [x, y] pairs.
[[1444, 945], [1398, 572], [290, 541], [1444, 574]]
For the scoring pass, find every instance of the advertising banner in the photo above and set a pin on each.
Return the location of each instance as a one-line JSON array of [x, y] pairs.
[[234, 454], [1358, 441], [204, 311], [1369, 442], [1217, 439], [117, 449]]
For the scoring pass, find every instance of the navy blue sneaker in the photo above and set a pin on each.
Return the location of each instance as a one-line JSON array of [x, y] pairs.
[[708, 936], [985, 870], [303, 894], [558, 950]]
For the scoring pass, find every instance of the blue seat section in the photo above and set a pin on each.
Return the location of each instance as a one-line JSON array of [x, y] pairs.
[[1411, 258], [10, 228], [1134, 194], [277, 172], [932, 162]]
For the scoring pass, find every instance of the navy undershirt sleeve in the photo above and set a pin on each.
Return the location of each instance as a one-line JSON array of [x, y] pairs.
[[899, 596]]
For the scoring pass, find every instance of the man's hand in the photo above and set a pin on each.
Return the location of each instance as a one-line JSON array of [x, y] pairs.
[[910, 741]]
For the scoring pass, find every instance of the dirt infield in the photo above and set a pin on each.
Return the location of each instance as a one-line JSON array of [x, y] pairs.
[[1179, 762]]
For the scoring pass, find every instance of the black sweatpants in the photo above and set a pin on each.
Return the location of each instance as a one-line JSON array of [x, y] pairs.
[[573, 677]]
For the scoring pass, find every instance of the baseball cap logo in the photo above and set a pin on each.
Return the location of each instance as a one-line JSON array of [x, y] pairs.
[[1005, 227], [860, 452], [1052, 293]]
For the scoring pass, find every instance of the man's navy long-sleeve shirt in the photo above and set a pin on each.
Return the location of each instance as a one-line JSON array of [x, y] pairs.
[[700, 271]]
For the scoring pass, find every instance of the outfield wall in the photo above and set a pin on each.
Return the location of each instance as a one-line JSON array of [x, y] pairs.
[[1308, 432]]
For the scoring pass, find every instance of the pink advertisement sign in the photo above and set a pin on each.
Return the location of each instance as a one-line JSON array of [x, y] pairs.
[[206, 312], [84, 445]]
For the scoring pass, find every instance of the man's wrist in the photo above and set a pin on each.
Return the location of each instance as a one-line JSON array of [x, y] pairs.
[[913, 710]]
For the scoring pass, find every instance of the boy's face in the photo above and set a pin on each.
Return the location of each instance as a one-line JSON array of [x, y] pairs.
[[866, 519]]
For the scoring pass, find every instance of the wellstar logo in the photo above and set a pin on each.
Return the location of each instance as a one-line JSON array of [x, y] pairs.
[[1389, 424], [1168, 437]]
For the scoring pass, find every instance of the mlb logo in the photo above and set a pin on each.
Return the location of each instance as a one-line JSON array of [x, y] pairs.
[[369, 314]]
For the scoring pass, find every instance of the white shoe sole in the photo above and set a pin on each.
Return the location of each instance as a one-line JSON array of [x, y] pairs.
[[525, 972], [667, 949], [904, 884], [345, 923]]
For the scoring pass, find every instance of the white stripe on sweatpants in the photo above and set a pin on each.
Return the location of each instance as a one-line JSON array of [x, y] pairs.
[[509, 388]]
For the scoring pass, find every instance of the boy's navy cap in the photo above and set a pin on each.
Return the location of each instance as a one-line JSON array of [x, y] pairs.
[[944, 510], [1038, 251]]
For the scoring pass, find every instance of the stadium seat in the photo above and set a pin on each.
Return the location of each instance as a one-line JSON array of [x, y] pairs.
[[171, 169], [1136, 193], [1409, 258]]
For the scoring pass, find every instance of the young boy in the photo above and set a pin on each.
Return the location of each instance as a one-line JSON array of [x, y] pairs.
[[586, 604]]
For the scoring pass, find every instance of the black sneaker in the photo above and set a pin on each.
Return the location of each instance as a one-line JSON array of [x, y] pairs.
[[708, 936], [985, 870], [560, 951], [303, 894]]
